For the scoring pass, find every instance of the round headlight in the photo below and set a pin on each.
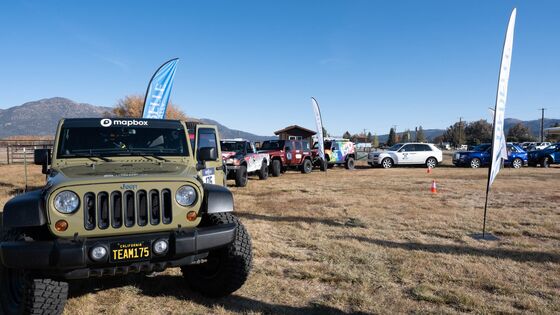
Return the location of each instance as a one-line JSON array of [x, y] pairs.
[[185, 196], [66, 202]]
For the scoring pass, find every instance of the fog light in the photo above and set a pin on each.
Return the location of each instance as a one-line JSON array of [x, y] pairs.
[[160, 247], [61, 225], [98, 253], [191, 216]]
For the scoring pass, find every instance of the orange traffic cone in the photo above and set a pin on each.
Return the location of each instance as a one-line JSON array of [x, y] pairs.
[[429, 170], [434, 187]]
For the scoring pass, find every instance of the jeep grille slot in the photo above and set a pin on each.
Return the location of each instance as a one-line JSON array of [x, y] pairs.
[[116, 209], [167, 214], [142, 208], [89, 211], [154, 207], [129, 208], [103, 209]]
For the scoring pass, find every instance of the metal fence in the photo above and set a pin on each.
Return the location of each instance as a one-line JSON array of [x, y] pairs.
[[17, 151]]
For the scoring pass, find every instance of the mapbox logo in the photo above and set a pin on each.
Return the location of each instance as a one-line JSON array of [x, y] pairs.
[[108, 122]]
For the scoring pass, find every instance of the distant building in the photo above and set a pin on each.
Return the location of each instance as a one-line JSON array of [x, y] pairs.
[[295, 132]]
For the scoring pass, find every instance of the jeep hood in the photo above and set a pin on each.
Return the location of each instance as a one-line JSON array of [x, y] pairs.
[[121, 171]]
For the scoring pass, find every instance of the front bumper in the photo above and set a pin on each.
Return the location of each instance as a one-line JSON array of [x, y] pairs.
[[70, 259]]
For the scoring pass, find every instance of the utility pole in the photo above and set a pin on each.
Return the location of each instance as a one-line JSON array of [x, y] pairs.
[[460, 131], [416, 134], [542, 123]]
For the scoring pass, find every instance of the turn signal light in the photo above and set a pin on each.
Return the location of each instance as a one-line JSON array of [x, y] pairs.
[[191, 216], [61, 225]]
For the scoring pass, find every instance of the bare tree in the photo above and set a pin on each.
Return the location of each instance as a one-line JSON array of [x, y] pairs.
[[132, 105]]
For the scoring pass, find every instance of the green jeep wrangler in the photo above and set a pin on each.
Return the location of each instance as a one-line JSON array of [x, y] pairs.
[[122, 196]]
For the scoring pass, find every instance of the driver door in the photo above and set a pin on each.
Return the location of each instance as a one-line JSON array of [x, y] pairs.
[[208, 136], [405, 155]]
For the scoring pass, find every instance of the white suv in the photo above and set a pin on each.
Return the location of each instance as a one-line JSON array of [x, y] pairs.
[[407, 154]]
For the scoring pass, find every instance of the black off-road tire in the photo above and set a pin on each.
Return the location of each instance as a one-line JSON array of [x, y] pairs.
[[241, 176], [276, 168], [227, 268], [307, 166], [322, 165], [349, 163], [263, 172], [21, 293]]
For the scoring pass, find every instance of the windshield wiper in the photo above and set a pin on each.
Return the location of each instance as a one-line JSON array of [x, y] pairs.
[[147, 157], [89, 156]]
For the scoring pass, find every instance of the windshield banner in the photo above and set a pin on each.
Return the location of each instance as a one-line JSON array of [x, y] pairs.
[[499, 151], [319, 124], [159, 90]]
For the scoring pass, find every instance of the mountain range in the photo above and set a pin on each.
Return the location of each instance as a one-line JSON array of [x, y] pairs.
[[40, 118]]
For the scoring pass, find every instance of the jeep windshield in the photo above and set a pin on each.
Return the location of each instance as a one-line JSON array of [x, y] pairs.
[[232, 146], [92, 139], [272, 145]]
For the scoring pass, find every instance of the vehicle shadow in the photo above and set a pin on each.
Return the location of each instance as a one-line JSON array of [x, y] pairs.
[[519, 256], [159, 286], [289, 219]]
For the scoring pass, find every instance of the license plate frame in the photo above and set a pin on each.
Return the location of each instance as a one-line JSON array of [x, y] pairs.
[[124, 252]]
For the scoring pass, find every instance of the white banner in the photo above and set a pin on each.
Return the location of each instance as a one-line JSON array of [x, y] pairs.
[[319, 124], [499, 151]]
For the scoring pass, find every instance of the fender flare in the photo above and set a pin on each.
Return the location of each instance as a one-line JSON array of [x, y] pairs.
[[25, 210], [217, 199]]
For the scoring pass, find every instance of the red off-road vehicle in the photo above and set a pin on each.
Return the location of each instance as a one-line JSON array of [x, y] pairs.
[[288, 154]]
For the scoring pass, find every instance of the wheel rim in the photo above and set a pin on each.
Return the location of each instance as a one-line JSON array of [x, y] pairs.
[[387, 163], [431, 163], [516, 163], [307, 166], [475, 163]]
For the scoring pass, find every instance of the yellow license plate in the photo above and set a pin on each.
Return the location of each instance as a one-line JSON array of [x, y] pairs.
[[133, 251]]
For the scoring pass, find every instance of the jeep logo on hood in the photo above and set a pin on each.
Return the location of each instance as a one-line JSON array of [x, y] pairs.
[[106, 122], [129, 187]]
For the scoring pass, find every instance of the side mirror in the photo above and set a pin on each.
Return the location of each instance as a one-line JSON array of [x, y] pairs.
[[207, 154], [42, 157]]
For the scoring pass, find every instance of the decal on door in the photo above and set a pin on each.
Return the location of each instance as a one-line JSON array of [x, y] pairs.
[[208, 176]]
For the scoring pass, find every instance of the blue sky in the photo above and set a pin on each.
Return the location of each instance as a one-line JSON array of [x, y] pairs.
[[253, 65]]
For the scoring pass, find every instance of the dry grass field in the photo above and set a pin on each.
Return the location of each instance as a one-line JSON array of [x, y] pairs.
[[369, 241]]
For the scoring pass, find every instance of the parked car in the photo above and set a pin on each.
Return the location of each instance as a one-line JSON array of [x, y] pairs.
[[538, 146], [337, 152], [480, 156], [242, 159], [525, 145], [407, 154], [287, 154], [545, 157]]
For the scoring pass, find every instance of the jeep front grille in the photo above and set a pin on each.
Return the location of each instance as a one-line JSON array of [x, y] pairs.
[[129, 208]]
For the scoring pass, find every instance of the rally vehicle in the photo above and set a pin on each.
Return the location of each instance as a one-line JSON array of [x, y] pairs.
[[407, 154], [241, 158], [480, 156], [287, 154], [545, 157], [122, 196], [337, 152]]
